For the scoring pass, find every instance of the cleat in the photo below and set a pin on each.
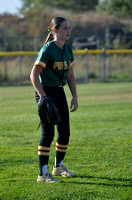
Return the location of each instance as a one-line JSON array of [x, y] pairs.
[[62, 171], [47, 178]]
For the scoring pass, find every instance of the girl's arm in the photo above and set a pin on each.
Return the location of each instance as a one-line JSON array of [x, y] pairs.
[[72, 85], [34, 76]]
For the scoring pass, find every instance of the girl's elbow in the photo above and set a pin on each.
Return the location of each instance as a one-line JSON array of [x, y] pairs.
[[31, 75]]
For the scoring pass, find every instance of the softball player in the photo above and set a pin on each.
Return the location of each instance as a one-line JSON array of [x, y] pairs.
[[52, 68]]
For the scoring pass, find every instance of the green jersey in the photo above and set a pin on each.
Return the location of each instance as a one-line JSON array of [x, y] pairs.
[[55, 62]]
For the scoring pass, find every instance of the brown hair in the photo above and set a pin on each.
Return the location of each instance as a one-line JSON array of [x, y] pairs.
[[55, 23]]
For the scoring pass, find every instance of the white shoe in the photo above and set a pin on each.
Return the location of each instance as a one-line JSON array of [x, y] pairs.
[[47, 178], [62, 171]]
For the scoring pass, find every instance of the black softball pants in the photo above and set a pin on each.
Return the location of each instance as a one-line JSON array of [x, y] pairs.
[[58, 96]]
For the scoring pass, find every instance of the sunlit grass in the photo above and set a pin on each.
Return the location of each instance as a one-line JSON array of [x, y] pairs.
[[99, 151]]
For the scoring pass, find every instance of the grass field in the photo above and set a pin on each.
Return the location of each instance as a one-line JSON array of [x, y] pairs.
[[99, 151]]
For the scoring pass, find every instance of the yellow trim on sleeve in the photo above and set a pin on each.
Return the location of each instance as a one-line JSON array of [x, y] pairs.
[[38, 62], [72, 63]]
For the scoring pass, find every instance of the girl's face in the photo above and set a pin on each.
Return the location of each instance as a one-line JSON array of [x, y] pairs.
[[64, 31]]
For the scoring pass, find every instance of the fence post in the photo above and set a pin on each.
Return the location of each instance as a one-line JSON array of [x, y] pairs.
[[108, 46], [5, 73], [5, 48], [104, 65], [86, 67], [20, 70], [35, 43], [99, 58]]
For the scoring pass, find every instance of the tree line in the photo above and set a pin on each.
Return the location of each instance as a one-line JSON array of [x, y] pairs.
[[118, 8], [37, 13], [74, 5]]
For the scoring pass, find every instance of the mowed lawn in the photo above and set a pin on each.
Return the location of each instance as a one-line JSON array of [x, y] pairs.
[[99, 151]]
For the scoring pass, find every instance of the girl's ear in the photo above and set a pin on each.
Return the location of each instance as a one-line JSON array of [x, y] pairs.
[[55, 30]]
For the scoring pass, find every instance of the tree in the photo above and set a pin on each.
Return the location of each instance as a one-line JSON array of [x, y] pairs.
[[74, 5], [118, 8]]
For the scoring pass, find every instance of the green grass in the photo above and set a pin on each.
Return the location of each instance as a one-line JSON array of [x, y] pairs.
[[99, 151]]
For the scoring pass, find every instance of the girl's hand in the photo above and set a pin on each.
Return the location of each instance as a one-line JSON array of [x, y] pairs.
[[74, 104]]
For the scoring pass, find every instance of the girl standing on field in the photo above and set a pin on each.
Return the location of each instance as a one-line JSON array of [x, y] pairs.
[[52, 68]]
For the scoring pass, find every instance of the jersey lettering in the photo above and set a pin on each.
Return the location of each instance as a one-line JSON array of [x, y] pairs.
[[60, 65]]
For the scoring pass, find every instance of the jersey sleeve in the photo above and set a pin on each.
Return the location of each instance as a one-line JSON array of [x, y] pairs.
[[42, 57]]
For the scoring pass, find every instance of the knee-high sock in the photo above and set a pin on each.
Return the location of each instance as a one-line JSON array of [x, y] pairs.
[[60, 153], [43, 153]]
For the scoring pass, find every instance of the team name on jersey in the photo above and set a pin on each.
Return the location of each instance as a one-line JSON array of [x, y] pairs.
[[61, 65]]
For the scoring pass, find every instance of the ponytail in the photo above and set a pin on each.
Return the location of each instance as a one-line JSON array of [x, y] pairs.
[[49, 38]]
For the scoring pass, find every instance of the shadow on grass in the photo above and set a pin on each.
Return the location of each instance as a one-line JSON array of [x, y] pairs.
[[123, 182]]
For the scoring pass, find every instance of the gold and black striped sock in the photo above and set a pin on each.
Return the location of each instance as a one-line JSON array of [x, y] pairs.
[[43, 153], [60, 153]]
